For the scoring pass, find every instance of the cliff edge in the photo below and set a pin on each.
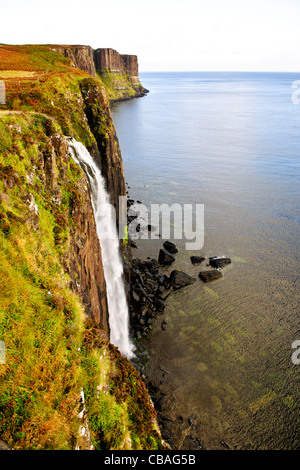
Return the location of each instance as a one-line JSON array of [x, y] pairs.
[[119, 72], [63, 385]]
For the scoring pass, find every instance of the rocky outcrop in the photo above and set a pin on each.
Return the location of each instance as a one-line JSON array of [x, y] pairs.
[[108, 60], [131, 66], [82, 57], [121, 72]]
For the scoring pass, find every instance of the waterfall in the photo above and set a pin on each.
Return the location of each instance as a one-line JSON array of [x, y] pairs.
[[112, 264]]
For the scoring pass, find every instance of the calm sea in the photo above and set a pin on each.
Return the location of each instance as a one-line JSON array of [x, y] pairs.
[[230, 141]]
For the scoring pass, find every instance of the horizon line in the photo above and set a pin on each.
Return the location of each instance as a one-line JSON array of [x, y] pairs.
[[219, 71]]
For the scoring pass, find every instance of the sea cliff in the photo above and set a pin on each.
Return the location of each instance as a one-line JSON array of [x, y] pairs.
[[63, 385], [118, 72]]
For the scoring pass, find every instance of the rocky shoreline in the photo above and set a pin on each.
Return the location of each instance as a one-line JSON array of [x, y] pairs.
[[149, 291]]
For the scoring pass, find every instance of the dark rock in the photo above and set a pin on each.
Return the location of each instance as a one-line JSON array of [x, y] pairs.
[[197, 260], [159, 290], [219, 262], [170, 247], [137, 276], [159, 403], [159, 305], [144, 310], [165, 294], [165, 257], [164, 325], [133, 244], [150, 264], [180, 279], [208, 276], [130, 202], [164, 280], [135, 296]]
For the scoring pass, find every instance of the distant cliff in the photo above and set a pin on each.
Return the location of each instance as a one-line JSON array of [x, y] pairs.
[[119, 72]]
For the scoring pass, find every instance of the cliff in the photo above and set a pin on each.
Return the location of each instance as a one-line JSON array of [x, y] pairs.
[[61, 375], [82, 57], [119, 72]]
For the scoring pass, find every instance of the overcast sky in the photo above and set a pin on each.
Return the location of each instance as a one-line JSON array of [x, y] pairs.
[[254, 35]]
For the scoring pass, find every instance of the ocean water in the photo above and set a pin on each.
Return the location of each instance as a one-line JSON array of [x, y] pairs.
[[230, 141]]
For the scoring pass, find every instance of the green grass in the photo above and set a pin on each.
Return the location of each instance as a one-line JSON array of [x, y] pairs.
[[52, 351], [117, 85]]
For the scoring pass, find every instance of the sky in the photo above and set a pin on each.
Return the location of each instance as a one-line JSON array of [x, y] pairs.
[[166, 35]]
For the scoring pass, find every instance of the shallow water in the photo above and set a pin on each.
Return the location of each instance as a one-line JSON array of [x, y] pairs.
[[231, 142]]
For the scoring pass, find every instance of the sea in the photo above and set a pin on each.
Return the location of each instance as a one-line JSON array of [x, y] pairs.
[[230, 142]]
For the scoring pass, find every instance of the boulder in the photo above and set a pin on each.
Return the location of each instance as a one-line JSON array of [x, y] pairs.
[[197, 260], [218, 263], [180, 279], [165, 257], [170, 247], [208, 276]]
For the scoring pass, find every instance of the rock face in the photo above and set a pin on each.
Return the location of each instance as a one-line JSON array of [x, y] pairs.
[[132, 68], [108, 155], [83, 261], [106, 61], [82, 57]]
